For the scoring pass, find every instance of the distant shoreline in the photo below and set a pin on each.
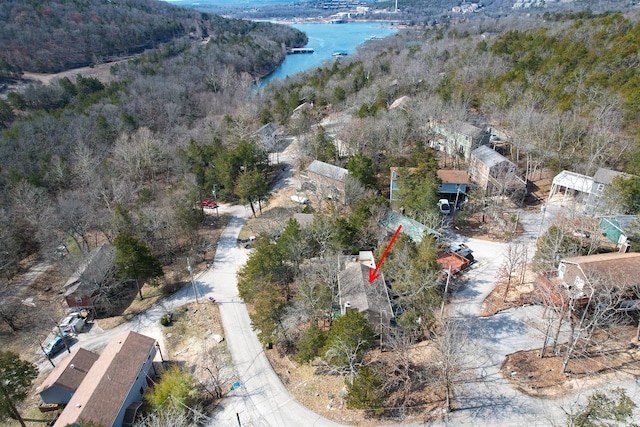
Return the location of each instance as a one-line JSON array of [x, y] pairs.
[[389, 23]]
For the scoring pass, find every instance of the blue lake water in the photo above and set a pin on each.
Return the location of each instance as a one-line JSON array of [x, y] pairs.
[[325, 39]]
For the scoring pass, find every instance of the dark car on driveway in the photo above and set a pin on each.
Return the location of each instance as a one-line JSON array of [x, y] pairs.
[[57, 344]]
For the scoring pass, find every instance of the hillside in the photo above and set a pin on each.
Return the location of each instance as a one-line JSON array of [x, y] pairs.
[[58, 35]]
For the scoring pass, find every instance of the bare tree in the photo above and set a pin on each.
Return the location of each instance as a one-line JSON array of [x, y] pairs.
[[450, 345], [595, 307], [514, 263]]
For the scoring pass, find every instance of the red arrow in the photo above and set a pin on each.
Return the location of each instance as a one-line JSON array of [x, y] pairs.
[[373, 274]]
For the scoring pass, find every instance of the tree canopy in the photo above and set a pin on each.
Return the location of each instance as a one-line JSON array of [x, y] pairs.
[[16, 376], [134, 260]]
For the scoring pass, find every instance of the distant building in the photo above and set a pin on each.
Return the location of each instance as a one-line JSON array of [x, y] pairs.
[[356, 293], [459, 141], [326, 180], [112, 389], [83, 287], [267, 136], [495, 174], [585, 190], [453, 184], [412, 228]]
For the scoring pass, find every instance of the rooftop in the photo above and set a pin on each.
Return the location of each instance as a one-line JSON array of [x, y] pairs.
[[574, 181], [488, 156], [451, 176], [328, 170], [356, 290], [71, 370], [618, 264], [605, 176], [101, 395]]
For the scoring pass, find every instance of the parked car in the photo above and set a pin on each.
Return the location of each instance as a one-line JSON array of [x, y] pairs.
[[57, 344], [206, 203], [300, 199], [444, 206], [581, 233]]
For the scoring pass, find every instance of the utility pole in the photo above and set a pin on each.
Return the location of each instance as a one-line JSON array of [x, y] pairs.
[[193, 282], [446, 290]]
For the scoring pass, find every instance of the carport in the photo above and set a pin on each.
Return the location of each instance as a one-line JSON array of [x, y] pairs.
[[573, 185]]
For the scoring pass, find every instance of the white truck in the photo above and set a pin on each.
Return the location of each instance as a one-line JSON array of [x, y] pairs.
[[72, 323]]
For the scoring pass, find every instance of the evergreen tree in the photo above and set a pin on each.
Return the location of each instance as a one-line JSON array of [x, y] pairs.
[[16, 376], [365, 392], [134, 260], [310, 343], [361, 167]]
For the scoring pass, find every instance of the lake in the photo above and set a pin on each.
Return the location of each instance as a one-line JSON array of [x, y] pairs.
[[325, 39]]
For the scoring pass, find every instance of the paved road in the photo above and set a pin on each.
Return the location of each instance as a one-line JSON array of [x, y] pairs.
[[262, 400]]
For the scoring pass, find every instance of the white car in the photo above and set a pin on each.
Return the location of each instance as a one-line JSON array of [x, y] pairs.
[[444, 206]]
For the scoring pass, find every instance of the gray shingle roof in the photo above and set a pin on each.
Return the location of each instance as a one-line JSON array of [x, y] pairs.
[[362, 295], [488, 156], [328, 170], [605, 176]]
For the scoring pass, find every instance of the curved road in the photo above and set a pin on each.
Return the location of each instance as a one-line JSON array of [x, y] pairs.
[[484, 398]]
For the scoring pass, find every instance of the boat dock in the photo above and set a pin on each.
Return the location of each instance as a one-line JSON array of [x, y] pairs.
[[301, 50]]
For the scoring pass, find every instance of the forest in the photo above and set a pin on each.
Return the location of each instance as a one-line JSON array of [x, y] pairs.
[[131, 159]]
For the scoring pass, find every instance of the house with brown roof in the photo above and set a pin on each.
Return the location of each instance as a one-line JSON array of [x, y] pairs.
[[83, 288], [326, 180], [356, 293], [65, 378], [112, 389], [578, 277]]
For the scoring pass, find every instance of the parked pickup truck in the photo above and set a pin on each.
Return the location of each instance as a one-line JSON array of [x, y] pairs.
[[72, 323]]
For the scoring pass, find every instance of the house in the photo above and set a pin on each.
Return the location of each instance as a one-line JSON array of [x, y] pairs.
[[453, 184], [619, 228], [585, 190], [65, 378], [459, 141], [305, 106], [267, 136], [495, 174], [575, 276], [83, 288], [112, 389], [326, 180], [356, 293]]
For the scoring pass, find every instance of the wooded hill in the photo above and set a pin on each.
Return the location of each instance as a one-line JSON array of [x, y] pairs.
[[61, 143], [52, 36]]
